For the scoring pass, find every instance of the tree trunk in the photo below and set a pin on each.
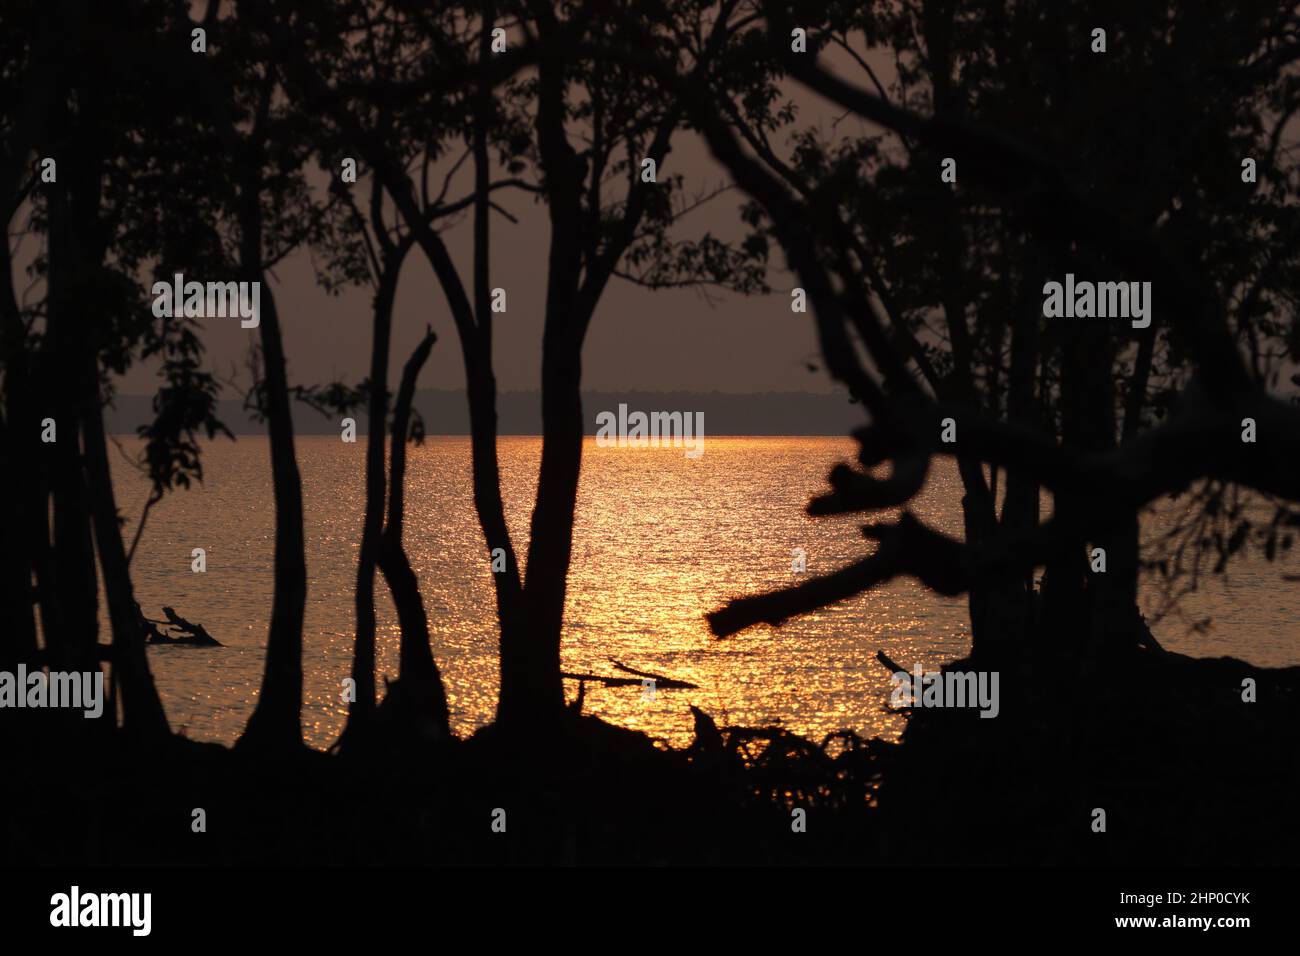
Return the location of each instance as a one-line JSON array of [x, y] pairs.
[[422, 694], [532, 689], [1020, 506], [72, 645], [276, 722], [1124, 627], [17, 620], [19, 457], [488, 505], [143, 717], [363, 655], [531, 686]]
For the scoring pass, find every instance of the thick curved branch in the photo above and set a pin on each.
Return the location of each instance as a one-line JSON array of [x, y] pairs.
[[906, 548]]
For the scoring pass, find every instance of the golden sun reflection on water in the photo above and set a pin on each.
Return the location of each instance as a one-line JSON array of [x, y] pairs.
[[660, 539]]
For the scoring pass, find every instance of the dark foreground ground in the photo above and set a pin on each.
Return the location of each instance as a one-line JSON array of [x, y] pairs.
[[1186, 772]]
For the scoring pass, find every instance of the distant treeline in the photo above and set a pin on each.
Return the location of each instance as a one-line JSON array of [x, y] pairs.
[[445, 413]]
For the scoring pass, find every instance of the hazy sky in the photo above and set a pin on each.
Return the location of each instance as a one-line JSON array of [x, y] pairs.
[[639, 339]]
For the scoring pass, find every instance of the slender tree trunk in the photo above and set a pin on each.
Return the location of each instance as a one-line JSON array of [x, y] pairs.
[[1020, 506], [1064, 575], [488, 505], [511, 612], [277, 719], [26, 495], [1112, 594], [143, 717], [422, 694], [480, 388], [73, 644], [996, 609], [1124, 626], [1075, 593], [532, 688], [363, 657], [19, 458], [17, 618]]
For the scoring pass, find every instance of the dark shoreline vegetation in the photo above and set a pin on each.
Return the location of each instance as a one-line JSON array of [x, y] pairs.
[[991, 146], [1162, 743]]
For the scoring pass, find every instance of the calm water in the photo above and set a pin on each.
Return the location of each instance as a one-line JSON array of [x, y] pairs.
[[660, 540]]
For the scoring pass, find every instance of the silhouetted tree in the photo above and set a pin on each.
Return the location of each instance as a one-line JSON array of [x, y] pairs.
[[263, 195], [362, 247], [602, 214], [419, 695], [1099, 484], [957, 273], [91, 321]]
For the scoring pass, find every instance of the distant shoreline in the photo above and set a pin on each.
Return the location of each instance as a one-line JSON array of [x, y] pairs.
[[766, 414]]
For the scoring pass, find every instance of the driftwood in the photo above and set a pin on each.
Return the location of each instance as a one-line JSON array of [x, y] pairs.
[[661, 682], [191, 635], [885, 659], [659, 679], [601, 679]]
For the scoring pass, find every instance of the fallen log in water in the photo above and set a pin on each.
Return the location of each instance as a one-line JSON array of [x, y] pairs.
[[661, 682], [885, 659], [600, 679], [191, 635], [659, 679]]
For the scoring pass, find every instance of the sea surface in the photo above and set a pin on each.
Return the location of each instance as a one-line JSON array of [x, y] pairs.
[[660, 540]]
